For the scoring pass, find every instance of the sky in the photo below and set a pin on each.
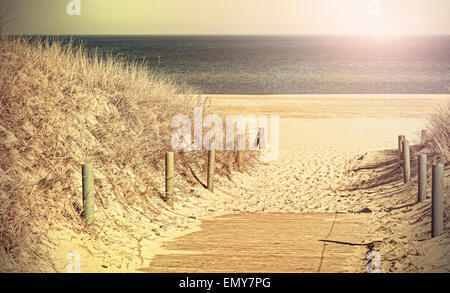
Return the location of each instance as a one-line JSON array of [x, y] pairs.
[[254, 17]]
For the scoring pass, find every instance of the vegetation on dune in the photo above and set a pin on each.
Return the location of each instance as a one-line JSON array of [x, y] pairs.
[[439, 128], [60, 107]]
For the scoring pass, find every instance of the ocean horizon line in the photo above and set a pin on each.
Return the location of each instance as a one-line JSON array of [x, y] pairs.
[[242, 35], [349, 96]]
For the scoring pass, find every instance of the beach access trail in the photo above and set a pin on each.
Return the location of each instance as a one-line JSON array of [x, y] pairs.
[[267, 242], [287, 217], [296, 214], [319, 207]]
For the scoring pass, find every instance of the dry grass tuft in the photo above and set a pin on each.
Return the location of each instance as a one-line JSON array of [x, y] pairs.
[[60, 107], [440, 133]]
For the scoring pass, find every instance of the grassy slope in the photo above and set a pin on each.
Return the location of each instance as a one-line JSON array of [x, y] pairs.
[[61, 107]]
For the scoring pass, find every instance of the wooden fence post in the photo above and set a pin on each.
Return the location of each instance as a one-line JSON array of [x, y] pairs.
[[406, 162], [211, 165], [88, 192], [422, 171], [240, 156], [424, 137], [169, 178], [401, 138], [437, 207], [262, 138]]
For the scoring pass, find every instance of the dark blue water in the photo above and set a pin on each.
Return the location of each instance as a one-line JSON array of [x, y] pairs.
[[291, 64]]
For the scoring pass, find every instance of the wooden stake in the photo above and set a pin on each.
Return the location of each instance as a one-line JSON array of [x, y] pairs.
[[262, 138], [88, 193], [424, 137], [437, 207], [401, 138], [406, 162], [422, 168], [211, 165], [169, 178], [240, 155]]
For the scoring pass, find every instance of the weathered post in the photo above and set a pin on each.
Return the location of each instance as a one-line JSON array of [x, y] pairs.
[[422, 168], [424, 137], [169, 178], [240, 155], [262, 138], [240, 159], [88, 192], [401, 139], [211, 163], [437, 207], [406, 162]]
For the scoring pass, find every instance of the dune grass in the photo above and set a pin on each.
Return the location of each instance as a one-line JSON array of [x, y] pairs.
[[439, 127], [62, 106]]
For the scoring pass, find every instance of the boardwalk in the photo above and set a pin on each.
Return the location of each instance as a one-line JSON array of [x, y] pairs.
[[272, 242]]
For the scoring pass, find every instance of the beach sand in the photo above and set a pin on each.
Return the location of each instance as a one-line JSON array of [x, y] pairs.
[[324, 142]]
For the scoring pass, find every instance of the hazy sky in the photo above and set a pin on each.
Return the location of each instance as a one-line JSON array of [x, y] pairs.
[[230, 17]]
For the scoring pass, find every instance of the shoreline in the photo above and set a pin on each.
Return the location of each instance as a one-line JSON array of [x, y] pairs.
[[330, 106], [330, 96]]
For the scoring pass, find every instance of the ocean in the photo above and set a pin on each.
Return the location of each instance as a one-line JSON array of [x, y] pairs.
[[291, 64]]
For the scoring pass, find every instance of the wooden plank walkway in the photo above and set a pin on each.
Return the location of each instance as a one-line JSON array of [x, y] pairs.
[[271, 242]]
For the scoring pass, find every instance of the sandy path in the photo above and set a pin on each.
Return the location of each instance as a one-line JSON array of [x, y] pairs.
[[300, 180], [322, 143], [269, 242]]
